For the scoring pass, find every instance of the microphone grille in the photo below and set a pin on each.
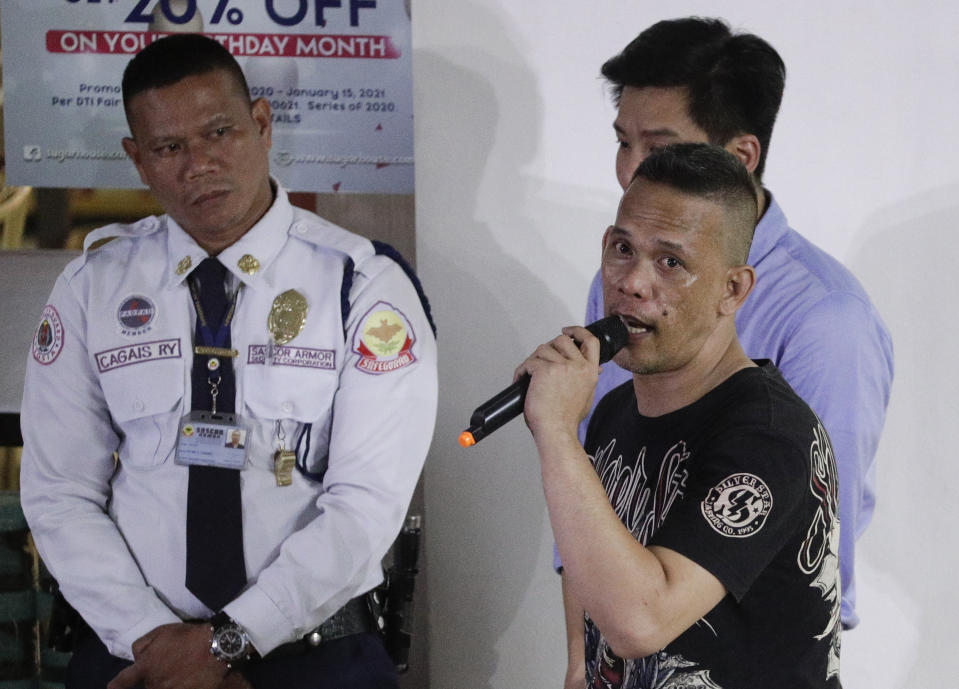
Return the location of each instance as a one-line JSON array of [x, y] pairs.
[[612, 335]]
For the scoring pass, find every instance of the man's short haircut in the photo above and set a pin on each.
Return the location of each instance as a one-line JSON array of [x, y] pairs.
[[173, 58], [735, 81], [710, 172]]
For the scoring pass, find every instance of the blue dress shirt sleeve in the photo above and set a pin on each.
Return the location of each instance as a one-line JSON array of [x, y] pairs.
[[839, 359]]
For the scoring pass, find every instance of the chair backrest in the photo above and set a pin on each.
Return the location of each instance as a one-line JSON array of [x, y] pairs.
[[14, 207], [26, 278]]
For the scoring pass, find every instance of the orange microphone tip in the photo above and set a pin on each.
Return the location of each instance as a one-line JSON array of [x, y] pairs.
[[466, 439]]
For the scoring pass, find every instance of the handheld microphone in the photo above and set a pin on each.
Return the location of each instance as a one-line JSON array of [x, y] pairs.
[[508, 404]]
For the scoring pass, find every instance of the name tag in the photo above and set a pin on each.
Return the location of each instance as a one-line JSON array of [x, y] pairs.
[[304, 357], [215, 440], [128, 355]]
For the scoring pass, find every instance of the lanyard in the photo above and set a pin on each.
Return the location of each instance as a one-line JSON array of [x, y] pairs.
[[213, 342], [211, 339]]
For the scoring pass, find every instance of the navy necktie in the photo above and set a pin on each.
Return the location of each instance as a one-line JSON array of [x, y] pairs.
[[215, 571]]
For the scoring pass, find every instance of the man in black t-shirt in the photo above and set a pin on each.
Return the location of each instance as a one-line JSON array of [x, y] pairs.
[[701, 536]]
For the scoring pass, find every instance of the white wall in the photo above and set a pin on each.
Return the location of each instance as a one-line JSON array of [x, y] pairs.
[[515, 185]]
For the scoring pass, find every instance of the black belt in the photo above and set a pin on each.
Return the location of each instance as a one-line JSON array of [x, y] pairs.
[[353, 618]]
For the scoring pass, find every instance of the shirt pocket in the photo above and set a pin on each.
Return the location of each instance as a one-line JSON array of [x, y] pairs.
[[289, 401], [146, 404]]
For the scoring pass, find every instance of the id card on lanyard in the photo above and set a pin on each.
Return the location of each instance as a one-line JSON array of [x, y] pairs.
[[208, 439], [212, 438]]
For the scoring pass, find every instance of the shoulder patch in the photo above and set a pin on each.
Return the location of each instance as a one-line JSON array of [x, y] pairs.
[[738, 505], [384, 340], [48, 339]]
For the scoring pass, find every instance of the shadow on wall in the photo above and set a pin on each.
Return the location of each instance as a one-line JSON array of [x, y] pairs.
[[907, 560], [485, 510]]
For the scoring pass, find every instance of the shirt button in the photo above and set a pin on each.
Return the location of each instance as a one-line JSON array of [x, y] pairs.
[[138, 405], [287, 407], [300, 228]]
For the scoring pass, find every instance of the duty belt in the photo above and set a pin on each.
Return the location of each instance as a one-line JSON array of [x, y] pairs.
[[353, 618]]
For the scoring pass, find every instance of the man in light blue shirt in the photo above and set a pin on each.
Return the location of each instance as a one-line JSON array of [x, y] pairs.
[[693, 80]]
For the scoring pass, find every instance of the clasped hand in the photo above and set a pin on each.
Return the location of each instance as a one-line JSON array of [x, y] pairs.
[[563, 380], [177, 656]]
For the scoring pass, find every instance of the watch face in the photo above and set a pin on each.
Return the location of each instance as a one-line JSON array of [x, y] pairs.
[[230, 642]]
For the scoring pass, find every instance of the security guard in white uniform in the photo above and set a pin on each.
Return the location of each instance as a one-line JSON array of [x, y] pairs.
[[334, 364]]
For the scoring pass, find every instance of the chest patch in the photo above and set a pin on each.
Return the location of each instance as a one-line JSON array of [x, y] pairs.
[[135, 315], [738, 506]]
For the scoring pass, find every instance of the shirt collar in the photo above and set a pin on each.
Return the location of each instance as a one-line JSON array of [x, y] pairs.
[[770, 229], [247, 258]]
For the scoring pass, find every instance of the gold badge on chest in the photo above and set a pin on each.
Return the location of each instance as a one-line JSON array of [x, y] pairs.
[[287, 316]]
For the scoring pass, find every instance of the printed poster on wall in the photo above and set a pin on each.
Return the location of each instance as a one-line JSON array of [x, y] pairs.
[[337, 74]]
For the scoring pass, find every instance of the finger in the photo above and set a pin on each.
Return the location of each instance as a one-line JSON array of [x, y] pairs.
[[556, 350], [567, 346], [126, 678], [545, 352], [586, 342]]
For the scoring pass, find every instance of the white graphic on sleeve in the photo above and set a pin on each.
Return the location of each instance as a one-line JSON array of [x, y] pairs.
[[738, 506], [819, 553]]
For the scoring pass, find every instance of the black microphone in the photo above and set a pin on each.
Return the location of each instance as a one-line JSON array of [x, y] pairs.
[[508, 404]]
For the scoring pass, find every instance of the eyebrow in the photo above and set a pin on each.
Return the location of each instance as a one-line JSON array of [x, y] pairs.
[[217, 120], [664, 243], [662, 131]]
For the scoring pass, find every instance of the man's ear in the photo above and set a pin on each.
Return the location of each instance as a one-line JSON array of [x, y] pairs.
[[740, 281], [133, 151], [602, 247], [747, 149], [260, 111]]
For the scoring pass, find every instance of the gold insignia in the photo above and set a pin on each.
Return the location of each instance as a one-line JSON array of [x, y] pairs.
[[183, 265], [287, 316], [215, 351], [248, 264]]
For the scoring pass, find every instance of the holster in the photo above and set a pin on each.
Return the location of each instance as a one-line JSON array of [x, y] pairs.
[[66, 627]]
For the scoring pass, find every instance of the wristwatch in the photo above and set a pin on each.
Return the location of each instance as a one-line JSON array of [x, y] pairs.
[[229, 643]]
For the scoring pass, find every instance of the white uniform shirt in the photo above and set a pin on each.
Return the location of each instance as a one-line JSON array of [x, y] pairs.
[[108, 374]]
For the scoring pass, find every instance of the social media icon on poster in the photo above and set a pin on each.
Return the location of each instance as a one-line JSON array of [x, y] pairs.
[[32, 152]]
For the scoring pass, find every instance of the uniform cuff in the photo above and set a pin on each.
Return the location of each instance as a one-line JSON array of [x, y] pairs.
[[267, 625], [122, 646]]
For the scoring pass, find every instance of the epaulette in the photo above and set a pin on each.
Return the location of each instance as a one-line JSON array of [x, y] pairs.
[[326, 235], [102, 236], [107, 233], [356, 250]]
